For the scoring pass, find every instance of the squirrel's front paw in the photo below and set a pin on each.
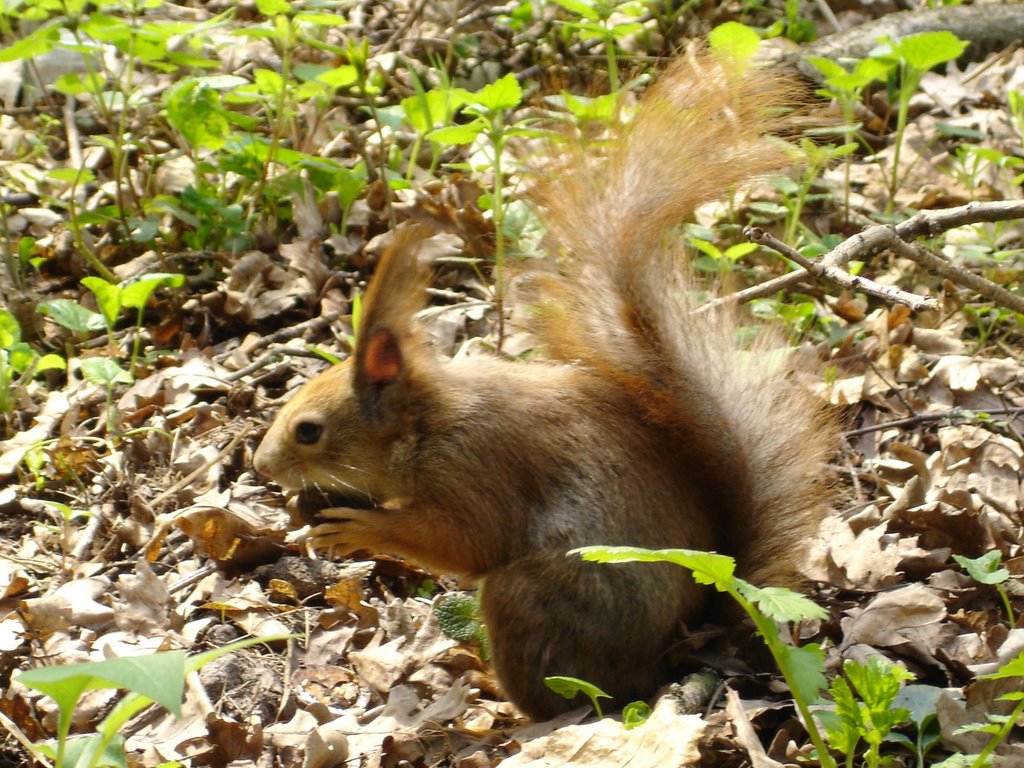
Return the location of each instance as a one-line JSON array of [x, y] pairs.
[[350, 530]]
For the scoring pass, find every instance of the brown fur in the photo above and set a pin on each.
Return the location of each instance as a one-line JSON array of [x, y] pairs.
[[647, 428]]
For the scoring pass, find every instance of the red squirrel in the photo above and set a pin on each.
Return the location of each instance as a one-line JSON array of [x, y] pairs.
[[646, 425]]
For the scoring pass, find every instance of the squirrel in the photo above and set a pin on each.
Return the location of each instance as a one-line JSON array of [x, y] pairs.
[[646, 425]]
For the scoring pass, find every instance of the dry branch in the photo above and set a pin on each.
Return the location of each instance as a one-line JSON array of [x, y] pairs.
[[880, 237]]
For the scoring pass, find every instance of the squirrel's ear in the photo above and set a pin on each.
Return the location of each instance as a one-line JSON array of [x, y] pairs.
[[381, 360]]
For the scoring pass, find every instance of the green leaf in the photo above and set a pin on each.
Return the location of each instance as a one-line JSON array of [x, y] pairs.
[[457, 134], [425, 110], [928, 49], [581, 8], [339, 77], [458, 616], [878, 681], [159, 676], [843, 725], [830, 68], [919, 701], [106, 373], [806, 670], [80, 751], [321, 19], [866, 71], [635, 714], [268, 81], [707, 567], [569, 687], [108, 297], [273, 7], [1013, 668], [783, 604], [502, 94], [136, 292], [985, 569], [737, 41], [194, 109], [73, 176], [21, 356], [43, 40], [50, 362], [584, 109], [10, 330], [72, 315]]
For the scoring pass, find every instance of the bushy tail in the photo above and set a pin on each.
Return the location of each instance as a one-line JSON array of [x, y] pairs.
[[733, 415]]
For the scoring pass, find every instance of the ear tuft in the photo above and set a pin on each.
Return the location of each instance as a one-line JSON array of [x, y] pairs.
[[382, 361]]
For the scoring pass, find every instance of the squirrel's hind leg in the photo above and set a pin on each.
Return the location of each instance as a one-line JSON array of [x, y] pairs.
[[607, 624]]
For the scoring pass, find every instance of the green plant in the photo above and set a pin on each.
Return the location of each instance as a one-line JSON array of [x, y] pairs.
[[802, 668], [883, 703], [970, 162], [714, 259], [796, 194], [158, 677], [1015, 101], [134, 294], [570, 687], [793, 26], [635, 714], [426, 111], [990, 319], [920, 702], [988, 569], [847, 88], [488, 110], [106, 373], [19, 362], [458, 615], [912, 56], [999, 726], [69, 314], [214, 223], [278, 92], [65, 514], [89, 30], [872, 716], [608, 21]]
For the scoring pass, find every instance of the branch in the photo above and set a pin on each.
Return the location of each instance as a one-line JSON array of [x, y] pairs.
[[880, 237]]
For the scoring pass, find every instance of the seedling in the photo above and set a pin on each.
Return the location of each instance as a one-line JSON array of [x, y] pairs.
[[988, 569], [19, 362], [156, 678], [608, 21], [913, 56], [869, 718], [570, 687]]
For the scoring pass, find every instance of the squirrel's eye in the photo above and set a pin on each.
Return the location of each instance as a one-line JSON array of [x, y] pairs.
[[308, 432]]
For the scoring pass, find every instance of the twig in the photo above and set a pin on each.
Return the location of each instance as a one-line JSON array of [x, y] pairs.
[[977, 283], [314, 324], [923, 418], [840, 277], [191, 477], [830, 17], [875, 239], [92, 530], [931, 223], [407, 22], [268, 359]]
